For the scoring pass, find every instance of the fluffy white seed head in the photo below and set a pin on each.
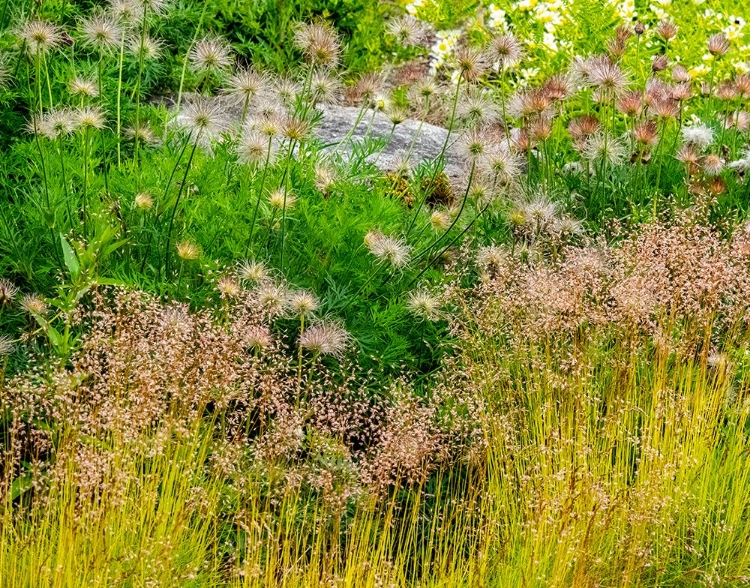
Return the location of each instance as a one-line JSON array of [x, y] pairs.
[[387, 249], [210, 55], [423, 305], [325, 338]]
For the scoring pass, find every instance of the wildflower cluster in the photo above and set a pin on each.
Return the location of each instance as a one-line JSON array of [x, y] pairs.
[[174, 364], [548, 29]]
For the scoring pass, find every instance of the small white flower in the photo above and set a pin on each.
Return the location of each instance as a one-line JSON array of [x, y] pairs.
[[497, 18], [627, 11], [550, 42], [414, 6], [699, 70], [659, 13]]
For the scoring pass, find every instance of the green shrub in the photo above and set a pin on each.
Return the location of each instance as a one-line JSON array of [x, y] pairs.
[[261, 30]]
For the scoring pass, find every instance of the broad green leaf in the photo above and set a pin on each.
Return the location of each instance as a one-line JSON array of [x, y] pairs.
[[69, 257], [20, 486], [54, 336]]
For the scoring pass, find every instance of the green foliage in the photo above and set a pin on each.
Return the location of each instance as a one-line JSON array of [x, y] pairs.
[[448, 15], [262, 30], [593, 26], [644, 459]]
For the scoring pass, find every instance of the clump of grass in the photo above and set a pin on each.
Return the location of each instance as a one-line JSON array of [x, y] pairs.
[[320, 374], [617, 394], [559, 444]]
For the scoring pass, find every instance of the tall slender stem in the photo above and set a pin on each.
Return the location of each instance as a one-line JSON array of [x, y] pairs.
[[387, 141], [64, 179], [659, 149], [455, 220], [450, 243], [419, 129], [259, 196], [176, 204], [48, 82], [360, 116], [99, 78], [502, 104], [185, 60], [5, 10], [245, 108], [119, 98], [299, 350], [85, 178], [283, 208], [40, 102], [438, 161], [137, 92]]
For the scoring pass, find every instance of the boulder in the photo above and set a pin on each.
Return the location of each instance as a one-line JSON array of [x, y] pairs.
[[337, 122]]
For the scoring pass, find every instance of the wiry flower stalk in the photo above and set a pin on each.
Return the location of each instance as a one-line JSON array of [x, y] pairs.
[[295, 130], [370, 85], [204, 122], [660, 155], [424, 91], [508, 52], [37, 120], [88, 118], [258, 196], [456, 218], [118, 123], [284, 207], [303, 304], [439, 160], [185, 59], [177, 203], [137, 91]]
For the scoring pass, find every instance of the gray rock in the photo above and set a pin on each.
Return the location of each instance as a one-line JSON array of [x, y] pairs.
[[337, 122]]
